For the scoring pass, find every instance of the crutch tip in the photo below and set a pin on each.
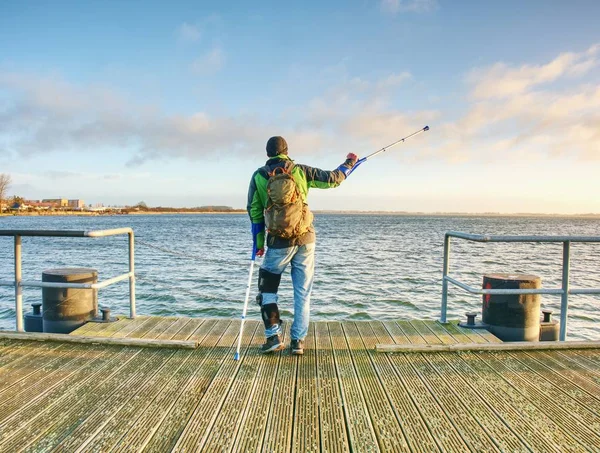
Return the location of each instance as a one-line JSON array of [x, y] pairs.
[[426, 128], [236, 356]]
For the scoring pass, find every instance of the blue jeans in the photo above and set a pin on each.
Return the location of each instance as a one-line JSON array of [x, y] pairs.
[[302, 259]]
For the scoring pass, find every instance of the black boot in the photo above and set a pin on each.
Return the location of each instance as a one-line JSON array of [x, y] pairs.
[[297, 347], [272, 344], [270, 315]]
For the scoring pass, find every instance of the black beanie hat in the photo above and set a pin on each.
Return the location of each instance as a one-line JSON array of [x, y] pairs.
[[276, 145]]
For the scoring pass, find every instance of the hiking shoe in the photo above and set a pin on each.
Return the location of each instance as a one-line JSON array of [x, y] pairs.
[[297, 347], [272, 344]]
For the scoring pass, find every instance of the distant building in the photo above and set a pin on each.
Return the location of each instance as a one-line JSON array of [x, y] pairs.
[[76, 204], [38, 205], [57, 202]]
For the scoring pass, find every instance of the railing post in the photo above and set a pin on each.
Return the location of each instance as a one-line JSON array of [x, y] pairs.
[[564, 298], [131, 276], [18, 287], [444, 281]]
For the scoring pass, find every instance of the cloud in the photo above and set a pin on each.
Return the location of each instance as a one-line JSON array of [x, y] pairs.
[[501, 80], [58, 174], [408, 6], [545, 111], [361, 112], [188, 32], [46, 115], [394, 80], [51, 115], [532, 111], [209, 63]]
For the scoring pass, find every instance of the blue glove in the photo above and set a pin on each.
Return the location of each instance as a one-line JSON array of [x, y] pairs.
[[258, 239], [347, 167]]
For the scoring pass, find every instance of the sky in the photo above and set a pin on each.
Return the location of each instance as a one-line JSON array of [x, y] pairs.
[[171, 103]]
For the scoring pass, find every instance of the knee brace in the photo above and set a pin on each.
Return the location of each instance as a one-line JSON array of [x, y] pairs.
[[270, 315], [268, 282]]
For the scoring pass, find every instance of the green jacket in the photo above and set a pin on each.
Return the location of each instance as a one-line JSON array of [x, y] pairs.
[[306, 177]]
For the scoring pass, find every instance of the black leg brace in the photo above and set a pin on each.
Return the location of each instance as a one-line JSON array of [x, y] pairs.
[[268, 282], [270, 315]]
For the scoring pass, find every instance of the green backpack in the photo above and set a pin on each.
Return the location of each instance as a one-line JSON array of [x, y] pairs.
[[286, 214]]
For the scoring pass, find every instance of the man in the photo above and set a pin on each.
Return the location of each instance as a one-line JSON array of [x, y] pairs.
[[277, 197]]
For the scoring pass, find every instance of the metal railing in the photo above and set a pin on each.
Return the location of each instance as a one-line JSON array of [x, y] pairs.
[[564, 290], [19, 283]]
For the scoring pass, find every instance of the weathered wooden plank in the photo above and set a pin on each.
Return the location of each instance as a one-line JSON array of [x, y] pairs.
[[101, 425], [234, 407], [509, 401], [410, 333], [131, 328], [362, 435], [88, 407], [191, 331], [450, 333], [497, 347], [395, 332], [89, 328], [7, 347], [530, 424], [439, 331], [257, 410], [143, 328], [25, 365], [20, 352], [153, 330], [170, 410], [110, 328], [305, 435], [146, 405], [414, 427], [422, 328], [463, 334], [570, 387], [278, 433], [175, 327], [92, 328], [166, 435], [589, 361], [488, 336], [573, 418], [445, 380], [333, 434], [468, 427], [28, 373], [569, 365], [201, 421], [65, 375], [385, 420], [26, 422], [480, 433], [58, 339], [439, 426]]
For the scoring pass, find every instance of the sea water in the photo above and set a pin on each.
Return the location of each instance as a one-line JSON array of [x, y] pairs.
[[368, 267]]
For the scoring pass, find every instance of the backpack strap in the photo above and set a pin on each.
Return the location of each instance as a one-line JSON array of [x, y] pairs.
[[268, 171], [282, 170]]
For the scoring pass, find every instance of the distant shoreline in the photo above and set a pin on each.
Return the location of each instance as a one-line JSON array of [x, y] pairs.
[[112, 213], [243, 212]]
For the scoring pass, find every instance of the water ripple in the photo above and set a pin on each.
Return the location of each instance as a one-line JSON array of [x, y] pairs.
[[367, 266]]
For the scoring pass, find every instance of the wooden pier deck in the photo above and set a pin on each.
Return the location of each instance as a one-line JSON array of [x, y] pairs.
[[341, 396]]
